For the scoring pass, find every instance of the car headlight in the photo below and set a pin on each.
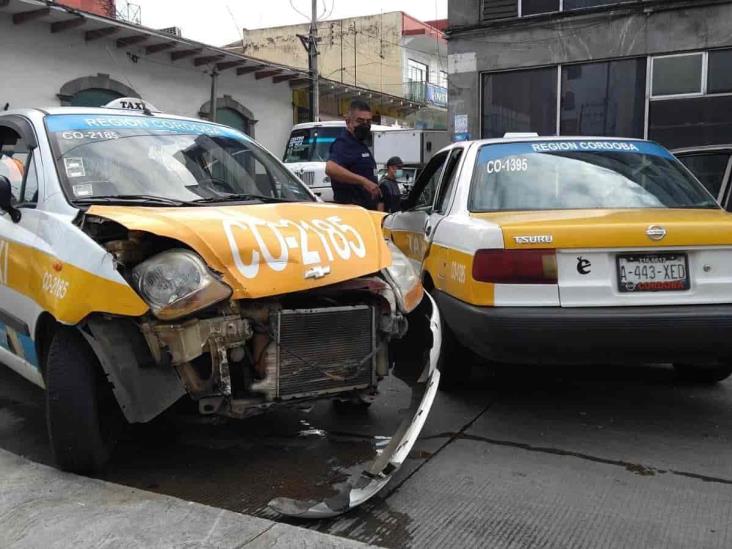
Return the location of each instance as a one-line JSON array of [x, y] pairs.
[[404, 280], [177, 283]]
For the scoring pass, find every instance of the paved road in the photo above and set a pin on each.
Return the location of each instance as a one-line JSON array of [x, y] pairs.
[[526, 457]]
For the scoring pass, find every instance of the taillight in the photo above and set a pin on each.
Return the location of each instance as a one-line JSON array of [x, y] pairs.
[[516, 266]]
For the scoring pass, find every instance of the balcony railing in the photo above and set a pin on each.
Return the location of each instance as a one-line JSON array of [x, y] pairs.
[[424, 92]]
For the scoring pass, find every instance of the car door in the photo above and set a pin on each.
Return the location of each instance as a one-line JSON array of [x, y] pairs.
[[712, 168], [445, 193], [407, 228], [22, 166]]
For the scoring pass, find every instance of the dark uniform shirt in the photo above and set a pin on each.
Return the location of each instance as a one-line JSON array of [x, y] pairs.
[[351, 154], [391, 196]]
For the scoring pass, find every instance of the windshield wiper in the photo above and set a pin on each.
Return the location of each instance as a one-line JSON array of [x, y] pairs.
[[242, 196], [134, 198]]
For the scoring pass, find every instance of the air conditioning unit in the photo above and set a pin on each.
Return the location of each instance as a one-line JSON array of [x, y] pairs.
[[175, 31]]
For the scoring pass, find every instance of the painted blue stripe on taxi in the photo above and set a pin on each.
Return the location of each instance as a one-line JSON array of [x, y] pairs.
[[28, 347], [78, 122], [599, 146]]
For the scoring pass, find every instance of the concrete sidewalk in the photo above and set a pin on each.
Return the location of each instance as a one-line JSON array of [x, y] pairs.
[[43, 507]]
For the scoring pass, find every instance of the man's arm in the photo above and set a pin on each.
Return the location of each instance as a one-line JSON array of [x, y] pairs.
[[339, 173]]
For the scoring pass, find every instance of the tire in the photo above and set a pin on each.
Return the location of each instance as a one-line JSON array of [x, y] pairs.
[[703, 374], [455, 363], [82, 414]]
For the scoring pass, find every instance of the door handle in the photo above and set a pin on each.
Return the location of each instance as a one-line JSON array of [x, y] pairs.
[[428, 230]]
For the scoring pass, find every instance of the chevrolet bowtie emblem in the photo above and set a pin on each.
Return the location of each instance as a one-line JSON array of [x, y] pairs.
[[317, 272]]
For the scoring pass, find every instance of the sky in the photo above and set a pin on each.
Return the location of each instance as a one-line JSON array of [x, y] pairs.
[[219, 22]]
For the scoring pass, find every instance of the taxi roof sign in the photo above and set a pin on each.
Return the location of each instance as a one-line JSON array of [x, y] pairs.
[[131, 104]]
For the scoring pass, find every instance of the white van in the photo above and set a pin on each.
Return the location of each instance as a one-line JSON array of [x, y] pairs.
[[307, 153]]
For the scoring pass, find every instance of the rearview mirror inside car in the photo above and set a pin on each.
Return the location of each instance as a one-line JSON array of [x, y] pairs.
[[6, 199]]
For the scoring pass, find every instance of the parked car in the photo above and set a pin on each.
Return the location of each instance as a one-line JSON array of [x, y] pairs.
[[585, 250], [712, 165], [146, 257]]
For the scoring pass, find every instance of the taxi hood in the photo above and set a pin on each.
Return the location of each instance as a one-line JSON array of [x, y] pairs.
[[268, 249], [612, 228]]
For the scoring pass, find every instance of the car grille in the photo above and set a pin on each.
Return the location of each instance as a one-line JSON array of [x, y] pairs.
[[308, 178], [325, 350]]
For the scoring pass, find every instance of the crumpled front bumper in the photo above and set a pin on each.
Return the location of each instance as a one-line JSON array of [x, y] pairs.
[[369, 481]]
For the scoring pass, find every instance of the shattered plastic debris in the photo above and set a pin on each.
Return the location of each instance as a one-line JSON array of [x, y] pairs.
[[369, 481], [311, 431]]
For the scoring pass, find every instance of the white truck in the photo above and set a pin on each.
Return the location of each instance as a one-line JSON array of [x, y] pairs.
[[307, 153], [414, 146]]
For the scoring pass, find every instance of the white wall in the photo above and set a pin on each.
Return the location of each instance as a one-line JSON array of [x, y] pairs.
[[34, 64], [436, 60]]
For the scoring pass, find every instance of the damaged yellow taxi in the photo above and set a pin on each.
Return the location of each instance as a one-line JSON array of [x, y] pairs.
[[147, 257]]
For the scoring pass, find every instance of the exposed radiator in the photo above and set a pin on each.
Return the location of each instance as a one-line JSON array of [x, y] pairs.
[[325, 350]]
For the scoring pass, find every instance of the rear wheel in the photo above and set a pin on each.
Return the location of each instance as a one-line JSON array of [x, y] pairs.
[[82, 414], [703, 374]]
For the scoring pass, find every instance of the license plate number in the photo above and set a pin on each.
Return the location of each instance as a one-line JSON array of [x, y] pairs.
[[653, 273]]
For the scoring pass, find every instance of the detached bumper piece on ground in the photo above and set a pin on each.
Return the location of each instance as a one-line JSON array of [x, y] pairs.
[[368, 482]]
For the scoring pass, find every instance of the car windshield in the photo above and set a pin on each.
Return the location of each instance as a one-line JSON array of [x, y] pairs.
[[311, 144], [118, 157], [558, 175]]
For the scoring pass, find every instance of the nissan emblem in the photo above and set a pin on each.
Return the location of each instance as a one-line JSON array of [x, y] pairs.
[[656, 232]]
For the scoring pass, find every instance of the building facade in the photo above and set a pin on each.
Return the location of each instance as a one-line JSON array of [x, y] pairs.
[[391, 54], [659, 69], [99, 7], [63, 56]]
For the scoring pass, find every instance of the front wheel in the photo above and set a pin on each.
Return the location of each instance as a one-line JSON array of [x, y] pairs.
[[82, 414], [703, 374]]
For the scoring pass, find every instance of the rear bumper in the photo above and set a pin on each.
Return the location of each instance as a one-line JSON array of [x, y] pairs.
[[592, 335]]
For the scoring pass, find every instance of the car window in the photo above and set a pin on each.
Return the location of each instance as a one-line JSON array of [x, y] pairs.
[[449, 180], [311, 145], [709, 168], [426, 197], [591, 174], [15, 159], [184, 160]]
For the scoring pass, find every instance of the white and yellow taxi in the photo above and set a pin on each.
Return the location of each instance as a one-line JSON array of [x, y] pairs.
[[145, 256], [581, 250]]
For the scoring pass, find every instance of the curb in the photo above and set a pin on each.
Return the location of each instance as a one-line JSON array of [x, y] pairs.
[[44, 507]]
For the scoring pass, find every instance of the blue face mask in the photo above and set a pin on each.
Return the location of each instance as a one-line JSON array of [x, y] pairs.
[[399, 174]]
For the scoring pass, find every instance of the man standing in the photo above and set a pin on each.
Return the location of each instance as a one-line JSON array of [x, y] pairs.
[[351, 166], [391, 195]]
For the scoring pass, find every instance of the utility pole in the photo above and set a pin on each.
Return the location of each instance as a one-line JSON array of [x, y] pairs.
[[310, 43], [355, 58], [313, 57], [214, 77]]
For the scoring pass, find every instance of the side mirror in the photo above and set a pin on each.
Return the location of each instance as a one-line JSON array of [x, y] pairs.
[[6, 199]]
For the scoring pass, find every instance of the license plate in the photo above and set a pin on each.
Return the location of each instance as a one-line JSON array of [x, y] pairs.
[[653, 273]]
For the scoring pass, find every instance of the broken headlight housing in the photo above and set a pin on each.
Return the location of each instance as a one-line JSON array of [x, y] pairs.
[[177, 283], [403, 279]]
